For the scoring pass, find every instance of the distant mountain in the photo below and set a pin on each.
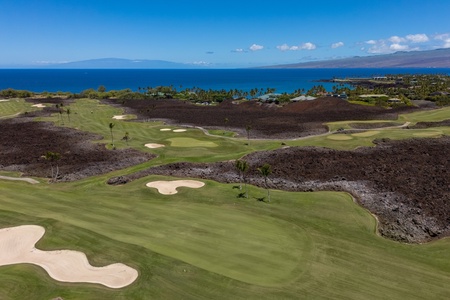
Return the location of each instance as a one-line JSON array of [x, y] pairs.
[[439, 58], [119, 63]]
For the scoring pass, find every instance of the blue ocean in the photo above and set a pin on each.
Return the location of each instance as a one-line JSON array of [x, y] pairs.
[[282, 80]]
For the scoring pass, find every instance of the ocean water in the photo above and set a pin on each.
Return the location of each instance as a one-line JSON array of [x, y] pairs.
[[282, 80]]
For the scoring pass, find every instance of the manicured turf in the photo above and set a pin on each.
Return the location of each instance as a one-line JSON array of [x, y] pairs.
[[13, 107], [435, 115], [207, 243], [320, 245]]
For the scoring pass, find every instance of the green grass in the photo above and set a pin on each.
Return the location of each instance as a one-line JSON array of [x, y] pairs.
[[13, 107], [90, 115], [435, 115], [352, 141], [321, 245], [220, 132], [209, 244]]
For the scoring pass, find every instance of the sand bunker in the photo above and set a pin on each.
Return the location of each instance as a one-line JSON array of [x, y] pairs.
[[165, 129], [339, 137], [153, 146], [40, 105], [29, 180], [17, 246], [170, 187], [179, 130], [366, 133], [4, 100], [119, 117]]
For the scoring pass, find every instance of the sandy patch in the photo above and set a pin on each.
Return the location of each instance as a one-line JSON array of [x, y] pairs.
[[366, 133], [170, 187], [29, 180], [165, 129], [17, 246], [153, 146], [119, 117], [179, 130], [339, 137], [40, 105], [3, 100]]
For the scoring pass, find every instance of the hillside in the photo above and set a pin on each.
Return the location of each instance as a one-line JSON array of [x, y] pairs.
[[439, 58]]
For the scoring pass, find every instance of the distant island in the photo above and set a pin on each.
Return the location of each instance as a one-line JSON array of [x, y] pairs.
[[439, 58], [121, 63]]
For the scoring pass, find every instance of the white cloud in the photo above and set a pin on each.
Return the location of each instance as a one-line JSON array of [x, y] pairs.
[[239, 50], [396, 39], [417, 38], [442, 36], [399, 43], [256, 47], [304, 46], [284, 47], [377, 47], [337, 45], [445, 38], [308, 46], [200, 63], [398, 47], [446, 43]]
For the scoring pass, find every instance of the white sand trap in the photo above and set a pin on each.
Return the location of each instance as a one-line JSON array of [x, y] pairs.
[[170, 187], [17, 246], [339, 137], [29, 180], [153, 146], [4, 100], [366, 133], [119, 117], [40, 105], [179, 130], [165, 129]]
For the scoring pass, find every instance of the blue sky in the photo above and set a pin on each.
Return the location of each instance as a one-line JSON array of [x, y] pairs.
[[217, 34]]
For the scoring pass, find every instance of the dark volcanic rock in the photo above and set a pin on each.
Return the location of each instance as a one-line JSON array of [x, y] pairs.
[[267, 120], [23, 142]]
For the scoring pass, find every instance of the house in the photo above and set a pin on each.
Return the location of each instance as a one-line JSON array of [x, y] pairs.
[[394, 100], [303, 98], [269, 97]]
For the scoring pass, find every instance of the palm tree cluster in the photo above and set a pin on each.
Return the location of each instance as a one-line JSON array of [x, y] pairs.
[[242, 167]]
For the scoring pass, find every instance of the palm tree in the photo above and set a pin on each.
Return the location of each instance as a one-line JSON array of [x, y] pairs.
[[242, 167], [111, 126], [60, 115], [126, 137], [68, 114], [248, 128], [53, 157], [265, 171]]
